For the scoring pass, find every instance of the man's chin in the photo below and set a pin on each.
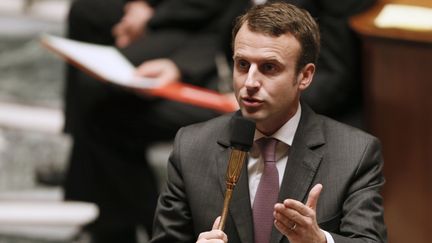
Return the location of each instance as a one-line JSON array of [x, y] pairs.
[[253, 114]]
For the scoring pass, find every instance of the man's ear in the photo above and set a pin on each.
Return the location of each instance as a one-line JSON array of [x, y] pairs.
[[305, 76]]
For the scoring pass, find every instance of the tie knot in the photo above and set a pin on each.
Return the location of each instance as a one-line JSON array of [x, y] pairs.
[[268, 149]]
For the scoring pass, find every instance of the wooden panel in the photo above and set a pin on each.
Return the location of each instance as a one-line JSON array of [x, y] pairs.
[[398, 88], [397, 67]]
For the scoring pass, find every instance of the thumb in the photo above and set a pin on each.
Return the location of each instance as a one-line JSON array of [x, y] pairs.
[[313, 196], [145, 70], [216, 223]]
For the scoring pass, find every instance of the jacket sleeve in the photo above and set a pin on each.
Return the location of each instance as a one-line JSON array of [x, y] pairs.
[[363, 219], [173, 222]]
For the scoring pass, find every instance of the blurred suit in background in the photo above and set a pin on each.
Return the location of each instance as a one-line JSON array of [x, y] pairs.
[[112, 127]]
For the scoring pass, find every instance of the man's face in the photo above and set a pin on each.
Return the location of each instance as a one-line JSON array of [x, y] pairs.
[[266, 85]]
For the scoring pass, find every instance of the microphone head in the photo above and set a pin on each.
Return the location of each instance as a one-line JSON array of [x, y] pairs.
[[242, 133]]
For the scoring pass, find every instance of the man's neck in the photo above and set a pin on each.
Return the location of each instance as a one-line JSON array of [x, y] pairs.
[[270, 127], [286, 131]]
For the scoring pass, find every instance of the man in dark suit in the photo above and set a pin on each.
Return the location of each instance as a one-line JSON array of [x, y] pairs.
[[328, 175]]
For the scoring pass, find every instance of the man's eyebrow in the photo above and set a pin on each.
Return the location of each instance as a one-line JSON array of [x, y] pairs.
[[272, 59], [237, 56]]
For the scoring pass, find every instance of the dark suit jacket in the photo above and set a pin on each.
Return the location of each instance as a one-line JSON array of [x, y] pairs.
[[345, 160], [112, 127], [185, 31]]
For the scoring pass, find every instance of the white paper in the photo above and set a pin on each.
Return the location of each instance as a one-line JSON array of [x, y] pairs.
[[105, 61], [405, 17]]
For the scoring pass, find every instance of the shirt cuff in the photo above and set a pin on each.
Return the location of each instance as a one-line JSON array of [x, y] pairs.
[[328, 236]]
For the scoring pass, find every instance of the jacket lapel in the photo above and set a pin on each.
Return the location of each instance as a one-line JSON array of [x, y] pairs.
[[303, 162], [239, 210]]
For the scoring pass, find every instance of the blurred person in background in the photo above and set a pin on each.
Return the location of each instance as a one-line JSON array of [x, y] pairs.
[[111, 127]]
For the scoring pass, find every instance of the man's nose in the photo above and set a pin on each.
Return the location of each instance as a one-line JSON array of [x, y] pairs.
[[252, 80]]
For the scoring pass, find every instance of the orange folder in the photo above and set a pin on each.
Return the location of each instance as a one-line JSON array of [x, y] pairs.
[[106, 63]]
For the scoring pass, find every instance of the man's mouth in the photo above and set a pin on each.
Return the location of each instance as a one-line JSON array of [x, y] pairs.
[[251, 102]]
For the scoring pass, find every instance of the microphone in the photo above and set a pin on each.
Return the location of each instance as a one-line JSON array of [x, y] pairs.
[[241, 140]]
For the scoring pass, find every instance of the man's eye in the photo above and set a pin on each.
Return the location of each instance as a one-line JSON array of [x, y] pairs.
[[268, 68], [243, 65]]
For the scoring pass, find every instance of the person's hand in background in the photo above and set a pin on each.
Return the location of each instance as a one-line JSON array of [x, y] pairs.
[[133, 24], [163, 70]]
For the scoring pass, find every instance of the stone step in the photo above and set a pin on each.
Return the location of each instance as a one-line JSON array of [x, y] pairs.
[[52, 10]]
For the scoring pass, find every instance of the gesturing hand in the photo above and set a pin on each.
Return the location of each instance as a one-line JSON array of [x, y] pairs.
[[213, 236], [298, 221]]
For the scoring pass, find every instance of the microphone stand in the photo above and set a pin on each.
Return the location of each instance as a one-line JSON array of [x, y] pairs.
[[236, 161]]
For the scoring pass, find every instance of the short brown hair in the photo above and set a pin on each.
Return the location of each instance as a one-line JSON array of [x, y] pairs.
[[278, 18]]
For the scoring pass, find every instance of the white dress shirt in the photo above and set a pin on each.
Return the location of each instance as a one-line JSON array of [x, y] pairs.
[[255, 164], [285, 135]]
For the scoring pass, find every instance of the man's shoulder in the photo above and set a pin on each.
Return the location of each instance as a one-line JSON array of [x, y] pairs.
[[211, 129], [344, 133], [314, 124], [217, 122]]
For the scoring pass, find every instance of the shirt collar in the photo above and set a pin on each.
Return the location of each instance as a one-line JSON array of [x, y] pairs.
[[286, 133]]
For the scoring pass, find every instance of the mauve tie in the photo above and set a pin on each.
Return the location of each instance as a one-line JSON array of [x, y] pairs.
[[267, 192]]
